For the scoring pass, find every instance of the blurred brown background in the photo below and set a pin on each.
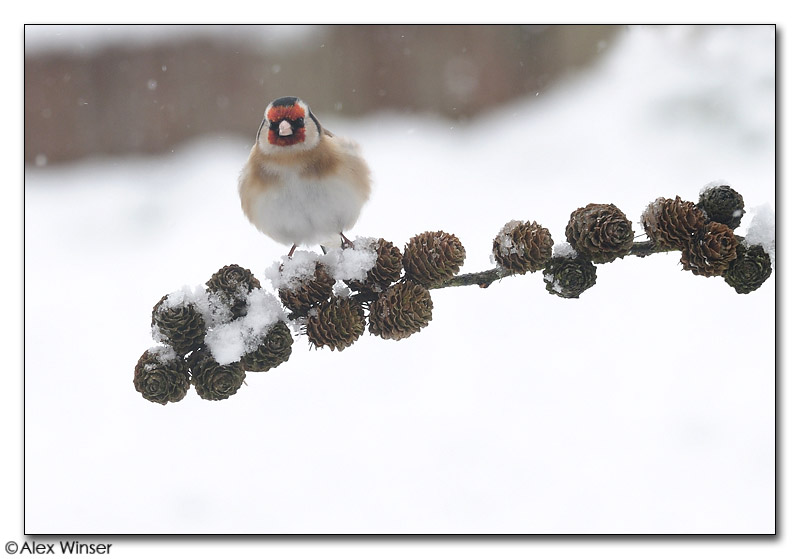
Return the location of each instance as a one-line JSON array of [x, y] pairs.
[[120, 95]]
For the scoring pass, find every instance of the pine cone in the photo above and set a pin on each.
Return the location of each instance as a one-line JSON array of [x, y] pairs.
[[723, 205], [672, 223], [309, 293], [711, 251], [386, 271], [402, 310], [569, 277], [213, 381], [274, 350], [161, 376], [750, 270], [182, 326], [601, 232], [232, 283], [430, 258], [337, 324], [522, 247]]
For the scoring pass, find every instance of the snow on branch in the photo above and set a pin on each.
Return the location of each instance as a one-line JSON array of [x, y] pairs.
[[212, 335]]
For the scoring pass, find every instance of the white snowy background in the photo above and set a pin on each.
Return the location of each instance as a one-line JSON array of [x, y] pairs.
[[645, 406]]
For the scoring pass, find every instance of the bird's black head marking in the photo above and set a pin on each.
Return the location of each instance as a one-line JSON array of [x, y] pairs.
[[285, 101]]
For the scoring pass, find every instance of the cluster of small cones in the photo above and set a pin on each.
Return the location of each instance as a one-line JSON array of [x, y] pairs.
[[522, 247], [704, 233], [164, 373], [601, 233], [393, 301]]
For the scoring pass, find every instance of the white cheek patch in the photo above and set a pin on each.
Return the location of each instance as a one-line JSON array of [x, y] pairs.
[[284, 128]]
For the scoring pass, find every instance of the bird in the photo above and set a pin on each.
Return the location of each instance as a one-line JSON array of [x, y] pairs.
[[302, 185]]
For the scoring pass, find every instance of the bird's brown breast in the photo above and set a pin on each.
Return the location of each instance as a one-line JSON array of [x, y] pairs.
[[324, 161], [316, 163]]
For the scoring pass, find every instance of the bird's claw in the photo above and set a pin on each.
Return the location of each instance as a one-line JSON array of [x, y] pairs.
[[346, 243]]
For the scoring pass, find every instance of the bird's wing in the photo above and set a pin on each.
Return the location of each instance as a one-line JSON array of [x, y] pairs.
[[348, 145]]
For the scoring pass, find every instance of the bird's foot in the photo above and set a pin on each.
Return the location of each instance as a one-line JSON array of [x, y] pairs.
[[346, 243]]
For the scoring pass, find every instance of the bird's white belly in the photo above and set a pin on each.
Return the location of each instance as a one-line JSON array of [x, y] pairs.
[[300, 211]]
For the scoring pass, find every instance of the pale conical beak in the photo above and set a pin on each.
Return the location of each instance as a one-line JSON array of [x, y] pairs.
[[284, 128]]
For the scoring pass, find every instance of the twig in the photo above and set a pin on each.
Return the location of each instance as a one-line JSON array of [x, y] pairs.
[[481, 279], [487, 277]]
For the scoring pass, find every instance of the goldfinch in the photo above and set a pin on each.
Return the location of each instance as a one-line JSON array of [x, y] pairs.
[[302, 185]]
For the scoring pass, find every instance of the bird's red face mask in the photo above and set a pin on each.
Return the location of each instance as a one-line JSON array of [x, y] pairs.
[[286, 125]]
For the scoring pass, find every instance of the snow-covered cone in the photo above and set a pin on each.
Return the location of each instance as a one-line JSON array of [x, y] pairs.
[[211, 380], [723, 205], [569, 277], [181, 325], [336, 324], [274, 350], [522, 246], [161, 375], [387, 269], [601, 232], [402, 310], [311, 291], [750, 270], [672, 223], [232, 283], [430, 258], [711, 251]]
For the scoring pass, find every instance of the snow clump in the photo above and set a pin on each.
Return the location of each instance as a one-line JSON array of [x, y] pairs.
[[564, 250], [229, 342], [762, 230], [351, 263]]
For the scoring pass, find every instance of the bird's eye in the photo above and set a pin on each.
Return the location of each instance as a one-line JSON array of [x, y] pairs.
[[299, 123]]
